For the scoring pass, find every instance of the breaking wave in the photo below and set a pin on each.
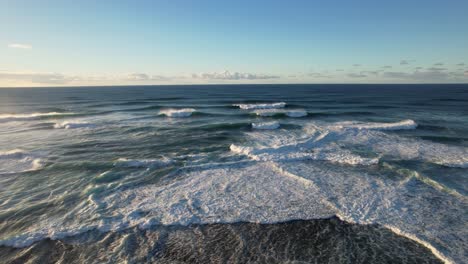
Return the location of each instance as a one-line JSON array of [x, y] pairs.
[[185, 112], [17, 160], [22, 117], [73, 125], [276, 185]]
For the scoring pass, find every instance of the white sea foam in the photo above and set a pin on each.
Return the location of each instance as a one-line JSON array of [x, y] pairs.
[[266, 192], [330, 142], [73, 125], [185, 112], [277, 185], [19, 117], [222, 194], [16, 161], [405, 124], [266, 125], [143, 163], [395, 146], [12, 154], [261, 106]]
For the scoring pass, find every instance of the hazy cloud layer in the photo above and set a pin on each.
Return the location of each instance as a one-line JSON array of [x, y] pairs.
[[19, 46], [8, 78], [233, 76], [39, 78], [357, 75], [319, 75], [146, 77], [436, 69], [404, 62], [382, 75], [421, 76]]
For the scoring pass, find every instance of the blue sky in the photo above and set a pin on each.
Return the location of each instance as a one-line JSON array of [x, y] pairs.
[[46, 43]]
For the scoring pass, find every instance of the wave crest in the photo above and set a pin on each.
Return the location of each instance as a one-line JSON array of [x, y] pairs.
[[73, 125], [17, 161], [185, 112], [22, 117]]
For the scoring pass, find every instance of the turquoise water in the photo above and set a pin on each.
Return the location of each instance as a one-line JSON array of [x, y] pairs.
[[80, 162]]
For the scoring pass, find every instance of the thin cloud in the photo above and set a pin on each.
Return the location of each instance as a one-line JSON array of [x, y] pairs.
[[37, 78], [438, 64], [357, 75], [19, 46], [436, 69], [371, 72], [356, 65], [461, 64], [318, 75], [146, 77], [226, 75], [386, 67], [404, 62], [422, 76]]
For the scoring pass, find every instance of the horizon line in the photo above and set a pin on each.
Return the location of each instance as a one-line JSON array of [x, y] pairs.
[[214, 84]]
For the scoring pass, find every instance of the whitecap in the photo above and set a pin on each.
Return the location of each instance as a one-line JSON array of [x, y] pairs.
[[261, 106], [17, 160], [20, 117], [266, 125], [401, 125], [185, 112], [73, 125], [270, 192]]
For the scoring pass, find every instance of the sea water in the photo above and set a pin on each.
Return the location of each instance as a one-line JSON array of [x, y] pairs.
[[234, 173]]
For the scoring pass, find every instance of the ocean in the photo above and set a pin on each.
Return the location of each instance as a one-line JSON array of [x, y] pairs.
[[234, 174]]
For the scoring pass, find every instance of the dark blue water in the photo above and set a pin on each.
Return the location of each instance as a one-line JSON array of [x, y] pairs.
[[96, 162]]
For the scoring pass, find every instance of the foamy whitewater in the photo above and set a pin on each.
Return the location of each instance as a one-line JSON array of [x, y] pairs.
[[130, 174], [186, 112]]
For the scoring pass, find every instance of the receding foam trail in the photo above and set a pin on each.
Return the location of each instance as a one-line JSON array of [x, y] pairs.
[[261, 106], [143, 163], [17, 160], [185, 112], [295, 153], [223, 194], [266, 125], [73, 125], [19, 117], [266, 192], [405, 124]]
